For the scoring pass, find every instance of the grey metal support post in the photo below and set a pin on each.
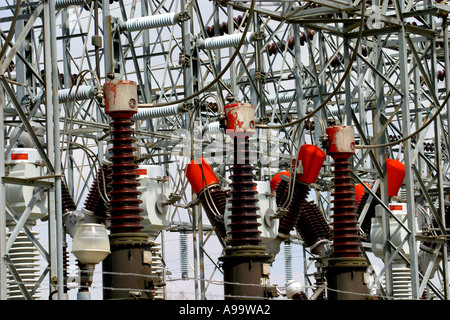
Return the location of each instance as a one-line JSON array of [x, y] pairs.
[[298, 76], [67, 71], [233, 84], [195, 214], [147, 93], [348, 97], [411, 207], [190, 86], [107, 38], [20, 66], [53, 149], [438, 131], [259, 68], [381, 159], [361, 103], [201, 255], [2, 200], [445, 27]]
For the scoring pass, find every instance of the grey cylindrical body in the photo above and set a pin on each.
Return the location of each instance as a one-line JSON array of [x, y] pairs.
[[246, 273], [347, 279], [127, 270]]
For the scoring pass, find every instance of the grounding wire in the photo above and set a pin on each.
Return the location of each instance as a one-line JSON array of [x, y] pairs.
[[191, 124], [292, 179]]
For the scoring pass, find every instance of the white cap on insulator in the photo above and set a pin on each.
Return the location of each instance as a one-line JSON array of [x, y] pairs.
[[120, 96], [293, 287]]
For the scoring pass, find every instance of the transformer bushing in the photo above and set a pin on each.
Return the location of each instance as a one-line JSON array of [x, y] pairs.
[[395, 174], [310, 158], [207, 188], [128, 269], [313, 228], [246, 266], [401, 271], [291, 192], [346, 271]]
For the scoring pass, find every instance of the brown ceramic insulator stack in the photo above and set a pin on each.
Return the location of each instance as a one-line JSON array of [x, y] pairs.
[[124, 203], [65, 266], [318, 284], [346, 267], [214, 201], [68, 205], [244, 218], [102, 205], [290, 219], [300, 296], [312, 225], [84, 283], [424, 295], [281, 192], [94, 201], [345, 230]]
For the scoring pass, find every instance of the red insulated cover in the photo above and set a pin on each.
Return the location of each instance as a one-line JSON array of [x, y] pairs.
[[395, 176], [277, 178], [312, 158], [359, 192], [200, 175]]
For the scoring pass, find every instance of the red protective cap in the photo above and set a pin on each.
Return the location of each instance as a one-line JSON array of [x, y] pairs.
[[395, 171], [277, 178], [342, 141], [120, 97], [312, 158], [359, 191], [240, 119], [200, 175]]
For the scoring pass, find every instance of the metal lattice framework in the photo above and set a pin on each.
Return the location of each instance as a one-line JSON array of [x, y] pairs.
[[379, 66]]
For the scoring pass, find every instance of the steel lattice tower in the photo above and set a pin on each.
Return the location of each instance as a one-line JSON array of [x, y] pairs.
[[381, 67]]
